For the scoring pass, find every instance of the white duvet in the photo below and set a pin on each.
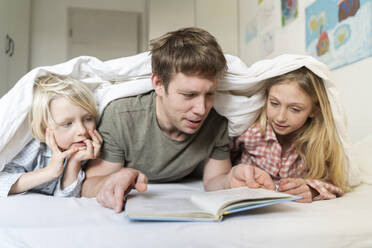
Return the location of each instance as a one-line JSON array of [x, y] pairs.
[[130, 76]]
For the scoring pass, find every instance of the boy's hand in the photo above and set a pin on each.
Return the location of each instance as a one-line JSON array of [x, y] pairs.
[[55, 166], [92, 148], [296, 186]]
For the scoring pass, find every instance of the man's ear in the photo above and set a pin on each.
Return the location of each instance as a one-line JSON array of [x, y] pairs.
[[158, 84]]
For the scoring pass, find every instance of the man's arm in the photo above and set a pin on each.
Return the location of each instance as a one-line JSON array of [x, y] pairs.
[[219, 174], [96, 173], [109, 182]]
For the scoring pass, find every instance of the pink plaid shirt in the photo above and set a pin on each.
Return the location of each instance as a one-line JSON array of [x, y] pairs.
[[265, 152]]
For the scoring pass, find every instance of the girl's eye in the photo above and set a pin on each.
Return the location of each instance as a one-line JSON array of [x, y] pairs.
[[274, 103], [295, 110]]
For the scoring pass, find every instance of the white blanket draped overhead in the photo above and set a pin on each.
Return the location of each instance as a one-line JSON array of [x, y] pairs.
[[130, 76]]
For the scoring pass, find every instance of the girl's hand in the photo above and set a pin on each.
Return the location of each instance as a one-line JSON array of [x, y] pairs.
[[55, 166], [296, 186], [92, 147], [250, 176]]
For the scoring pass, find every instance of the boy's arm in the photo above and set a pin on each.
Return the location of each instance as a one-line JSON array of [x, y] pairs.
[[219, 174], [30, 180], [90, 152]]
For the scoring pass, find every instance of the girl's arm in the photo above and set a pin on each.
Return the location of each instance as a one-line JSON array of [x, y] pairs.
[[309, 189], [324, 190]]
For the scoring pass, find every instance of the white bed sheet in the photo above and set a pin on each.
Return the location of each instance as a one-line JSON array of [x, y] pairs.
[[34, 220]]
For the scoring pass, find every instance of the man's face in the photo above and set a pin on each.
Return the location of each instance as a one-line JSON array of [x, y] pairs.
[[183, 109]]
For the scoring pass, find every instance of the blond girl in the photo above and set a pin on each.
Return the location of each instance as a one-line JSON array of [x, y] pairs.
[[294, 139]]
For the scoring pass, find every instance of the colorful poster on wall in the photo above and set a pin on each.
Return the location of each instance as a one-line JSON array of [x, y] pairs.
[[251, 30], [289, 11], [267, 44], [339, 32]]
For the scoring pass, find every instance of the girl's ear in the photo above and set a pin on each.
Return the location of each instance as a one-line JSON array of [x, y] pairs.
[[314, 112]]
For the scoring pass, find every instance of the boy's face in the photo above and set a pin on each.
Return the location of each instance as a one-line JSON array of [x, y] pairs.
[[72, 123], [288, 108], [183, 109]]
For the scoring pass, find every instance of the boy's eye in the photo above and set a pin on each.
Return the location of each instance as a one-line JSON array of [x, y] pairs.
[[88, 119], [66, 124]]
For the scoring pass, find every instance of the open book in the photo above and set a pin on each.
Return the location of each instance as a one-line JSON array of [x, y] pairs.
[[195, 205]]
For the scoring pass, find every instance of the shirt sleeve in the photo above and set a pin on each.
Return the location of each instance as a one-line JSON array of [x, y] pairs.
[[22, 163], [109, 129], [326, 190], [221, 151], [7, 180], [73, 190]]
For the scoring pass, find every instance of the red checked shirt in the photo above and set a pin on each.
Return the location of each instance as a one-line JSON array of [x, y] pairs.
[[265, 152]]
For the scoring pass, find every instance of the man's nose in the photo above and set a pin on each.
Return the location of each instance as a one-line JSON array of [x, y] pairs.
[[200, 107]]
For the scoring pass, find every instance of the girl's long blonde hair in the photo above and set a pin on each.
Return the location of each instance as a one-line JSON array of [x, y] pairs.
[[317, 141]]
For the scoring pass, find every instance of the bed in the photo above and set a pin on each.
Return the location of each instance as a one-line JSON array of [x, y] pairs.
[[35, 220]]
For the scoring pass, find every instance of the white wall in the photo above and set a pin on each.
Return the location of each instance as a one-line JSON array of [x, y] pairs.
[[169, 15], [219, 17], [353, 81], [49, 26]]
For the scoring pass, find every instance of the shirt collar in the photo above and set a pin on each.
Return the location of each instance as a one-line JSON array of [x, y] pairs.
[[271, 136]]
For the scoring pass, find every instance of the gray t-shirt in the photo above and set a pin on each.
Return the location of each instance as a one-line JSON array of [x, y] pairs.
[[132, 135]]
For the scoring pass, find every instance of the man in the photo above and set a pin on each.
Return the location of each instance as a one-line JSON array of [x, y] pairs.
[[165, 134]]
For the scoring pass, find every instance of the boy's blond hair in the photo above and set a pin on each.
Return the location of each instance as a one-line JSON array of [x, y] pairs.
[[317, 141], [49, 87]]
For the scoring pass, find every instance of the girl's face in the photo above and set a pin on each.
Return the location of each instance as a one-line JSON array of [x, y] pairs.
[[288, 108], [72, 123]]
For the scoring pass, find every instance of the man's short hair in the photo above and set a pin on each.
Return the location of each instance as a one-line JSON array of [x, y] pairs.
[[191, 51]]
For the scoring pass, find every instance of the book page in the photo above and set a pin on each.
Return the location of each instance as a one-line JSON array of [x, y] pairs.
[[215, 201], [156, 204]]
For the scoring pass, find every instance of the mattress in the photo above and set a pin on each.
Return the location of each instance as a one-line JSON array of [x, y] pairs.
[[35, 220]]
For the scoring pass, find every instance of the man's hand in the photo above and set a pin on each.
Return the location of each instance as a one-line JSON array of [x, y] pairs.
[[250, 176], [296, 186], [117, 185]]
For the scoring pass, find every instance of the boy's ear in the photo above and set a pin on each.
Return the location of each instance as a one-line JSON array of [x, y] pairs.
[[158, 84]]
